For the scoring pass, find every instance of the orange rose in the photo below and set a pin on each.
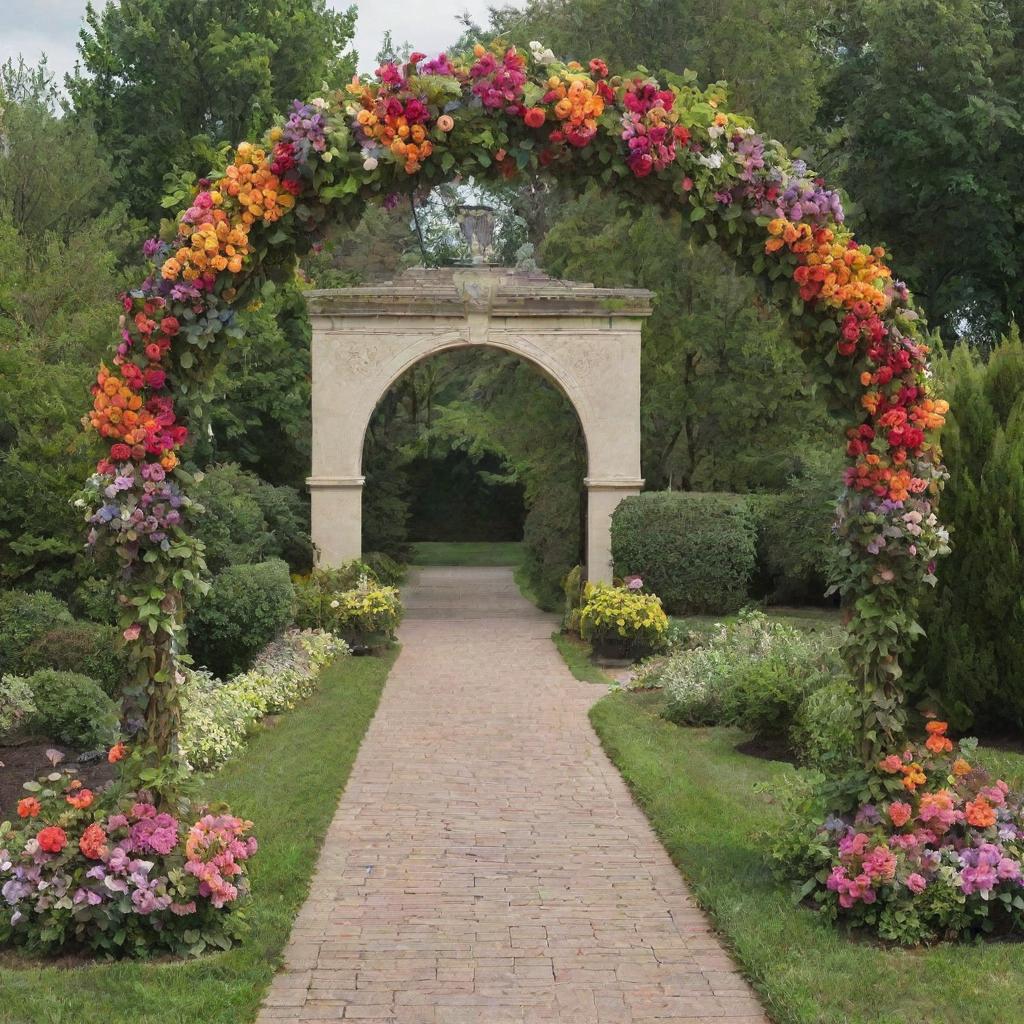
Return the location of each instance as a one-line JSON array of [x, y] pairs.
[[116, 752], [961, 767]]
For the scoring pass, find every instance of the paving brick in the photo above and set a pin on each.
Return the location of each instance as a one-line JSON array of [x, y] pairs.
[[486, 863]]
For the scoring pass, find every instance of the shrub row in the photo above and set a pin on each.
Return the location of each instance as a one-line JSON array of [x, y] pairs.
[[711, 553], [768, 678], [217, 715], [65, 706], [37, 631]]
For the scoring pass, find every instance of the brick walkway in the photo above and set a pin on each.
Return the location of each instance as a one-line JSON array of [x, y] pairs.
[[486, 863]]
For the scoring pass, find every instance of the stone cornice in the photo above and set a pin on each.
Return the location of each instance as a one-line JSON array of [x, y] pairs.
[[492, 291]]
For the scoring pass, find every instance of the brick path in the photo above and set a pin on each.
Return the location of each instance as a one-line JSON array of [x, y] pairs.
[[486, 863]]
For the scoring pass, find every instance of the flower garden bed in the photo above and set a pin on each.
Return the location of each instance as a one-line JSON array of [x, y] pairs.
[[288, 780], [710, 805], [22, 761]]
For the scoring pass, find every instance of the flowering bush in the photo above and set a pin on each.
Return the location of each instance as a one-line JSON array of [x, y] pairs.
[[622, 620], [929, 846], [17, 705], [217, 716], [366, 614], [119, 875], [751, 672]]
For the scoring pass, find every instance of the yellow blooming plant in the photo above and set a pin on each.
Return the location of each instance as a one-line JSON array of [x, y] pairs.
[[368, 613], [622, 620]]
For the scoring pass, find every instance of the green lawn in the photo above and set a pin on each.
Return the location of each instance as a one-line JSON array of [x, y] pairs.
[[288, 781], [809, 618], [482, 552], [700, 796], [576, 654]]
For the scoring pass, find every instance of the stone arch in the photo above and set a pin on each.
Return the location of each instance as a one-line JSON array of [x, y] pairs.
[[586, 340]]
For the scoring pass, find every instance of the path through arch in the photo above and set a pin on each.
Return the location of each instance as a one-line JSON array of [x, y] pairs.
[[486, 862]]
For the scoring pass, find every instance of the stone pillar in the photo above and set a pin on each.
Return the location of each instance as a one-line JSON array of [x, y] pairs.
[[336, 514], [603, 497]]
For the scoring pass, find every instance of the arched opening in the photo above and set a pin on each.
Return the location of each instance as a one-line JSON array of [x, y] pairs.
[[476, 444], [584, 341]]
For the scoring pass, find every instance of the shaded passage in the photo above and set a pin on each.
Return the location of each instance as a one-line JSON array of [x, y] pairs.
[[486, 863]]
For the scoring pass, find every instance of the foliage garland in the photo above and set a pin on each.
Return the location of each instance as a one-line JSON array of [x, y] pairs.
[[497, 114]]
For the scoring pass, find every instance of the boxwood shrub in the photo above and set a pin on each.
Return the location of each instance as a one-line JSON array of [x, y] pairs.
[[87, 647], [247, 606], [24, 618], [696, 551], [72, 708]]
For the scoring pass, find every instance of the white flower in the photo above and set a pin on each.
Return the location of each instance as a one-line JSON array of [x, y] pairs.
[[541, 54], [335, 604], [716, 131], [712, 160], [370, 163], [320, 103], [327, 157]]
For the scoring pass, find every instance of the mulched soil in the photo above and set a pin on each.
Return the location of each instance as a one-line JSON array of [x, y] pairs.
[[776, 749], [22, 762]]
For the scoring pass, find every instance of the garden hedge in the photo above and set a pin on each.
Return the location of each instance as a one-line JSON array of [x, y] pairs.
[[246, 607], [73, 709], [695, 551], [24, 618]]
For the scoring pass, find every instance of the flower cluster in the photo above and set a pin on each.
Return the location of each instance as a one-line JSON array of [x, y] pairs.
[[391, 119], [498, 80], [117, 874], [647, 128], [623, 615], [940, 853], [576, 102], [141, 505]]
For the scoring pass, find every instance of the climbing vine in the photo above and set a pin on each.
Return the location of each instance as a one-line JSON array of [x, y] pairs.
[[497, 114]]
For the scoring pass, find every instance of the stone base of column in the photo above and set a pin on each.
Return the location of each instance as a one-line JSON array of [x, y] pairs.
[[603, 497], [336, 518]]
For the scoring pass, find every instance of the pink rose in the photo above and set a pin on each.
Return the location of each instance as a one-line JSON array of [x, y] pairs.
[[132, 632], [916, 883]]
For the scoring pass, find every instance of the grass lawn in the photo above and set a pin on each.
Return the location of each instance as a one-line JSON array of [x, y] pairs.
[[699, 794], [576, 655], [288, 781], [808, 618], [474, 552]]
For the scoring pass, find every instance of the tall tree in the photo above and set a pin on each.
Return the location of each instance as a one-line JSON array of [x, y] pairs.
[[709, 420], [923, 121], [155, 74], [53, 175]]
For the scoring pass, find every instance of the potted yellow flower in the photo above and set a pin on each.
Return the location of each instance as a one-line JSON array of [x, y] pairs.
[[622, 622]]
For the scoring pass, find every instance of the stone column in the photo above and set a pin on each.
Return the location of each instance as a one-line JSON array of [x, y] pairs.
[[336, 513], [603, 497]]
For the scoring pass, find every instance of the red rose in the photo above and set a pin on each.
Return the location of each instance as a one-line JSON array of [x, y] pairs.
[[598, 68], [153, 351], [120, 453], [534, 117], [52, 839], [155, 379], [169, 325]]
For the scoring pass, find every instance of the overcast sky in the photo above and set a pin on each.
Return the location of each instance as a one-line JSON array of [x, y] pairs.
[[34, 27]]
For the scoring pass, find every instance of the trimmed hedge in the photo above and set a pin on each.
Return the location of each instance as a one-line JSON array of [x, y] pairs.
[[24, 618], [247, 606], [87, 647], [695, 551], [72, 708]]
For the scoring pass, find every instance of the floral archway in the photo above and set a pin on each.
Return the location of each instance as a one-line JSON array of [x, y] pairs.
[[497, 114]]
